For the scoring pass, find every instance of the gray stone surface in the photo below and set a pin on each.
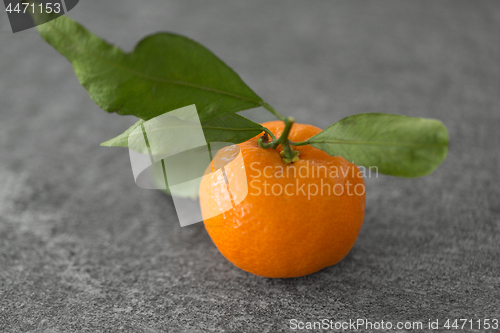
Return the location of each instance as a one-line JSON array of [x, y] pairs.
[[82, 248]]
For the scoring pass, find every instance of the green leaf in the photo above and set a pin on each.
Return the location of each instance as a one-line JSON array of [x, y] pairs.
[[122, 139], [397, 145], [231, 128], [163, 73]]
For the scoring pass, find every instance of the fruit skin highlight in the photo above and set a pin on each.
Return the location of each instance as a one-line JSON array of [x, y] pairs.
[[283, 236]]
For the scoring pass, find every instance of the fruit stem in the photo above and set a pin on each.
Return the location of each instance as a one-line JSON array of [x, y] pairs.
[[283, 139], [288, 154]]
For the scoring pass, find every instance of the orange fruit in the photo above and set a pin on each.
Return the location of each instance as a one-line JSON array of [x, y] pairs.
[[284, 229]]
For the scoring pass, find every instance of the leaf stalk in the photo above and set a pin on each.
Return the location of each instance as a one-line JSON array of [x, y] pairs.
[[273, 111]]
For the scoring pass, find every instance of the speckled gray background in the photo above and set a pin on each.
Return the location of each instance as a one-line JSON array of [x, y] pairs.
[[82, 248]]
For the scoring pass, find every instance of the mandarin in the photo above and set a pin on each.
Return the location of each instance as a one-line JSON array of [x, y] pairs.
[[296, 218]]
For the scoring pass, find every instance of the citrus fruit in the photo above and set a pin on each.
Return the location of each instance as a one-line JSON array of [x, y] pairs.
[[296, 218]]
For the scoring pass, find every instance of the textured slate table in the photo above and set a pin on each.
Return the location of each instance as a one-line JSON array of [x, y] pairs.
[[82, 248]]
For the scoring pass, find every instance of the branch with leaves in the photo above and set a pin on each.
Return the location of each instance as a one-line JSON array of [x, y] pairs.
[[167, 71]]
